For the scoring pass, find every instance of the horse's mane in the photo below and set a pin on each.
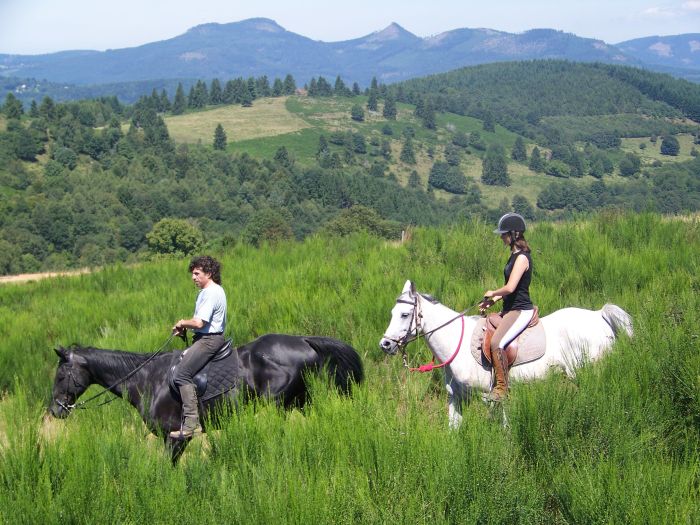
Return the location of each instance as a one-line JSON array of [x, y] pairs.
[[112, 358], [429, 298]]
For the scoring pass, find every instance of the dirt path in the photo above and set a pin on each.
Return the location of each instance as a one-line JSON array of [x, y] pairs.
[[26, 277]]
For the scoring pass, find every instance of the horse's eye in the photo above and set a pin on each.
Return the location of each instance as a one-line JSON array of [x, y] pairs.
[[404, 315]]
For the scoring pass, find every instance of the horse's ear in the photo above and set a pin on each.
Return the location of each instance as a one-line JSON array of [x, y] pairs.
[[408, 287], [61, 352]]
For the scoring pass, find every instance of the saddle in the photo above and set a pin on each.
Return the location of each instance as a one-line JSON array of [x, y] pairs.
[[528, 346], [219, 372]]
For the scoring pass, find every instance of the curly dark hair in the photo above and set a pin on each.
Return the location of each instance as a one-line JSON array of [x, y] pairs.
[[207, 265]]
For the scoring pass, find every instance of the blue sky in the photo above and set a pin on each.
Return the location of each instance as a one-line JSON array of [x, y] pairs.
[[38, 26]]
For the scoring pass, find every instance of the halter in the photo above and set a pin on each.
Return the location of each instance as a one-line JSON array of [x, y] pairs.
[[68, 406], [411, 336]]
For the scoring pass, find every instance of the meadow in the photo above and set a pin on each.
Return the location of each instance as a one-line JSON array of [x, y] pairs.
[[617, 444]]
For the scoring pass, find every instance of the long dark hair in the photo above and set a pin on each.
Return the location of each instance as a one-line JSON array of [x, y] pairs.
[[207, 265], [519, 241]]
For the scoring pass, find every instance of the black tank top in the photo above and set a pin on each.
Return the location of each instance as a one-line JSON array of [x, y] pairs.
[[520, 298]]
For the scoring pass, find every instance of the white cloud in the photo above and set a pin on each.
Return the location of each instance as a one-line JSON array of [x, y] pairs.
[[659, 12], [692, 5]]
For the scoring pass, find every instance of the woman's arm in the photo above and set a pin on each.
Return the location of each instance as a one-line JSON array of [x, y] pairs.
[[519, 268]]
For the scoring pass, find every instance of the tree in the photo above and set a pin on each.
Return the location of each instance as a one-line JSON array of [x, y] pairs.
[[174, 237], [495, 167], [322, 150], [355, 88], [12, 107], [339, 88], [372, 100], [215, 92], [267, 225], [519, 153], [630, 165], [290, 86], [359, 218], [407, 154], [180, 103], [357, 113], [536, 162], [389, 111], [670, 146], [522, 206], [283, 158], [429, 115], [452, 155], [489, 123], [219, 138]]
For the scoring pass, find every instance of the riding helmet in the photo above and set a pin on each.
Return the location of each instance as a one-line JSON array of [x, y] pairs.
[[510, 222]]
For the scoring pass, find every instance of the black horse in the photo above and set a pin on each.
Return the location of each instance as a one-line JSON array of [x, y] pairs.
[[273, 366]]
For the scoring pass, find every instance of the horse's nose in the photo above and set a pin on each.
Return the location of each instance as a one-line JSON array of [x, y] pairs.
[[386, 345]]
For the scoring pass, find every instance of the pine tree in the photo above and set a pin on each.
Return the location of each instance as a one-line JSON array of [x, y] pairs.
[[407, 154], [13, 107], [355, 88], [389, 111], [179, 104], [357, 113], [495, 167], [372, 101], [536, 162], [339, 88], [322, 150], [290, 86], [518, 152], [215, 93], [429, 115], [164, 103], [489, 122], [219, 138]]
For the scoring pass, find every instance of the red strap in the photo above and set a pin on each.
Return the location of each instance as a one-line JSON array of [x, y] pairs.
[[431, 366]]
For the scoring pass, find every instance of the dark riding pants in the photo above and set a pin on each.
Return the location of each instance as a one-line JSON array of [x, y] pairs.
[[196, 356]]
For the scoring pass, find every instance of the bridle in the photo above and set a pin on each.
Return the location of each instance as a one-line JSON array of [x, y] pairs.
[[412, 335], [82, 405]]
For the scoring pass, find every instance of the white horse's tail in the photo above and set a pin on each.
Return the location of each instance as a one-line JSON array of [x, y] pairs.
[[617, 318]]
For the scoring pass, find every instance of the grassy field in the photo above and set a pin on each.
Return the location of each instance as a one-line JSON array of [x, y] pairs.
[[652, 152], [618, 444], [268, 117], [297, 123]]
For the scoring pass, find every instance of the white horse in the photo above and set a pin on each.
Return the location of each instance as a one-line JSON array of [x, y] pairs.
[[573, 336]]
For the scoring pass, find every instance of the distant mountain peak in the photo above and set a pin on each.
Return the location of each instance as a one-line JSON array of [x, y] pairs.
[[259, 24], [391, 32]]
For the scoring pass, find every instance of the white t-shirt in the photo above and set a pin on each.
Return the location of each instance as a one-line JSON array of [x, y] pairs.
[[211, 308]]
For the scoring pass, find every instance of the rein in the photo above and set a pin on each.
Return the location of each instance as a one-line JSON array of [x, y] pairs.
[[82, 404], [412, 336]]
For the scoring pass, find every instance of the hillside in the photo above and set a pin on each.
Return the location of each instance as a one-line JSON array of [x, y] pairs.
[[617, 443], [94, 182]]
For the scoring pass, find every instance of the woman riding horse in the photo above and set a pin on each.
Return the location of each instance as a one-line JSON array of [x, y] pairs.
[[517, 308]]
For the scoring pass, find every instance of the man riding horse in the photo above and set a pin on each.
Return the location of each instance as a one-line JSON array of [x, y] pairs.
[[208, 323]]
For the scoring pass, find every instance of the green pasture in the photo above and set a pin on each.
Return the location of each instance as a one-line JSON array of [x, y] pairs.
[[267, 117], [617, 444], [297, 122], [652, 151]]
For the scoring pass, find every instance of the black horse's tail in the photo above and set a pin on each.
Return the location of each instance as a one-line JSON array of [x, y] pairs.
[[340, 359]]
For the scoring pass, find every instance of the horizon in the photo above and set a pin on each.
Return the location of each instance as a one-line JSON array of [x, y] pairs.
[[31, 27]]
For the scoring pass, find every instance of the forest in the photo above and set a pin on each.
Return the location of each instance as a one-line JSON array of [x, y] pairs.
[[96, 181]]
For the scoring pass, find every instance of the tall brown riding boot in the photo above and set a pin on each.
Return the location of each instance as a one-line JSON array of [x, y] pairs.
[[190, 414], [500, 368]]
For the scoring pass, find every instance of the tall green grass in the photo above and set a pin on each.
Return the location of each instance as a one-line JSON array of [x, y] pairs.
[[617, 444]]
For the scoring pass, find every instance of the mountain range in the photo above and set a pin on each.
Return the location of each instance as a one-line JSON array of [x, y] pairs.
[[260, 46]]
